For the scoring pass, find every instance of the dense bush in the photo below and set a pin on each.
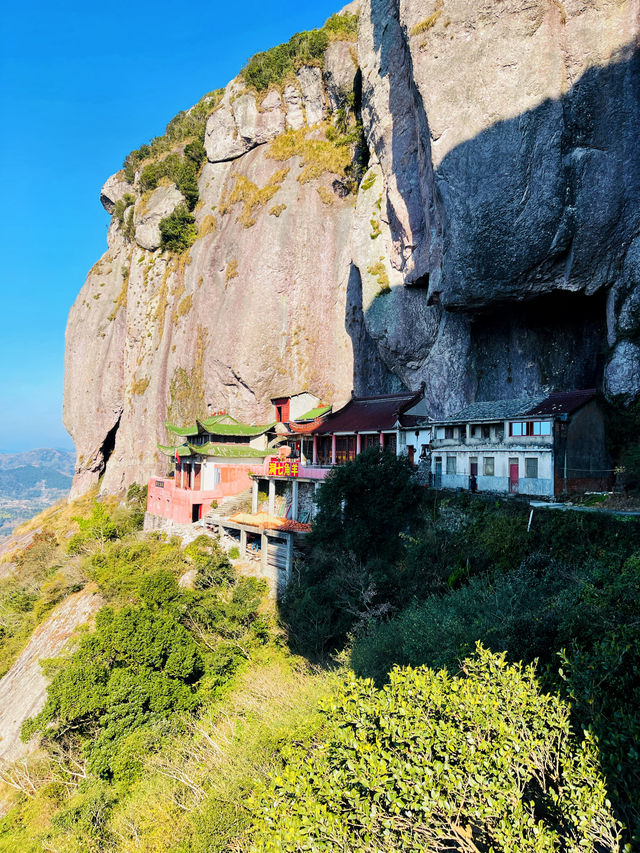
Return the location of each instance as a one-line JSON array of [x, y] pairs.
[[178, 231], [276, 64], [136, 668], [273, 66], [158, 651], [584, 617], [189, 124], [182, 171], [481, 761], [364, 509]]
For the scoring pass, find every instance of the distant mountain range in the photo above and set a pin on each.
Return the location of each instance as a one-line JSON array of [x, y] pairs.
[[35, 473]]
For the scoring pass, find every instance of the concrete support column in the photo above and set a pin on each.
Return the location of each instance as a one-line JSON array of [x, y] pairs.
[[333, 450], [289, 556], [243, 542], [294, 500], [254, 496], [358, 444], [272, 497], [315, 450], [263, 552]]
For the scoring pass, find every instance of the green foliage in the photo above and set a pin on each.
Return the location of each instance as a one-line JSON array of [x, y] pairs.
[[272, 67], [342, 26], [136, 668], [579, 608], [364, 509], [189, 124], [365, 505], [98, 528], [159, 652], [121, 205], [276, 64], [178, 231], [182, 171], [480, 761]]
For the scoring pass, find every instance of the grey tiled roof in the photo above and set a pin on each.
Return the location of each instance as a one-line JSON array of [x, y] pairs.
[[496, 410]]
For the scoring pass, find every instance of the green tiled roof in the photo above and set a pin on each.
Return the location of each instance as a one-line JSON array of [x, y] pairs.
[[190, 430], [219, 425], [314, 413], [183, 450], [229, 451], [235, 429]]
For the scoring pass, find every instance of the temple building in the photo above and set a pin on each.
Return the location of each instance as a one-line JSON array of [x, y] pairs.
[[543, 446], [213, 459]]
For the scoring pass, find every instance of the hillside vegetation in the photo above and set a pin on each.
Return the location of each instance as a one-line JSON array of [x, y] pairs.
[[193, 717]]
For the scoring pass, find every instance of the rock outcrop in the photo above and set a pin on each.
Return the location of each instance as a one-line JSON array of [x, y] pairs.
[[489, 250], [23, 690]]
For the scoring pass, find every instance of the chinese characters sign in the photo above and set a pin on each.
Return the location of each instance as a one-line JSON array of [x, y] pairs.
[[283, 469]]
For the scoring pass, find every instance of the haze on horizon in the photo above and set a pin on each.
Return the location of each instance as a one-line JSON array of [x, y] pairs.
[[82, 88]]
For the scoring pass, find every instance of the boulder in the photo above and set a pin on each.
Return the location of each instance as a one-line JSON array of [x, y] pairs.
[[113, 190], [161, 203]]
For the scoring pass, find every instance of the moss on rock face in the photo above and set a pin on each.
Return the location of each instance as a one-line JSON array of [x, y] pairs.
[[187, 387]]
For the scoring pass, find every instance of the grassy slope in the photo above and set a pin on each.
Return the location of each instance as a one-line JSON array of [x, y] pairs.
[[191, 794]]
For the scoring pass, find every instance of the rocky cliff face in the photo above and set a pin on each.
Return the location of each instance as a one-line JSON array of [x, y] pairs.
[[490, 248]]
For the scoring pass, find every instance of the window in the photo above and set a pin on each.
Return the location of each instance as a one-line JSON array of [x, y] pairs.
[[530, 428], [440, 432], [475, 430], [531, 468], [449, 432], [541, 428], [451, 464], [486, 431], [488, 466]]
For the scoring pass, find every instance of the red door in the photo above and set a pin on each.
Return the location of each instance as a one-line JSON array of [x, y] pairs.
[[514, 476]]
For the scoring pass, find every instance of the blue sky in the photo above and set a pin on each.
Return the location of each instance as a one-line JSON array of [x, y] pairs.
[[81, 84]]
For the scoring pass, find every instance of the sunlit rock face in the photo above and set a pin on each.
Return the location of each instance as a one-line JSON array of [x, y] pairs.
[[488, 252]]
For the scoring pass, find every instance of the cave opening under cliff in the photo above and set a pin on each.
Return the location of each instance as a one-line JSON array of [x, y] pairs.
[[109, 443], [556, 341]]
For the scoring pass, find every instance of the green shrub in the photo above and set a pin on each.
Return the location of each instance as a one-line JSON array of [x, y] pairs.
[[480, 761], [178, 231], [98, 528], [140, 665], [121, 205], [273, 66], [364, 509], [189, 124]]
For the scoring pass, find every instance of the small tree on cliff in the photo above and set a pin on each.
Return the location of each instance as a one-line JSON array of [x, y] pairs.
[[363, 506], [351, 575]]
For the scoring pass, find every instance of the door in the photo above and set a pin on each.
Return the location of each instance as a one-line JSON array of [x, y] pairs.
[[197, 478], [514, 475], [196, 512], [473, 473], [438, 482]]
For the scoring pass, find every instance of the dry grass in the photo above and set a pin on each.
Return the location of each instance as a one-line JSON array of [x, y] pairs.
[[430, 21], [199, 786], [209, 225], [326, 195], [121, 300], [184, 306], [231, 271], [380, 272], [319, 156], [139, 386], [252, 197]]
